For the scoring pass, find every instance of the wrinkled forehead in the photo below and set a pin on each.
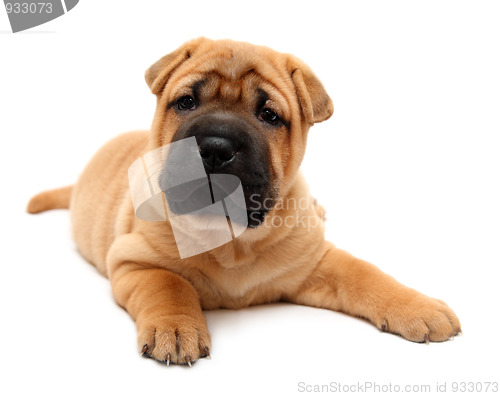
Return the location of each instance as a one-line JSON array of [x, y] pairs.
[[232, 76]]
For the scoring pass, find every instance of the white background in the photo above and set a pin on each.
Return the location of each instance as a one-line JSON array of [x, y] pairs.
[[407, 167]]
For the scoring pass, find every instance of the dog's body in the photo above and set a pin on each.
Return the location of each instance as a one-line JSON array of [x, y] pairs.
[[205, 89]]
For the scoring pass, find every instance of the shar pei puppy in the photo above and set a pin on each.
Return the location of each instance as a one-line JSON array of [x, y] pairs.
[[139, 212]]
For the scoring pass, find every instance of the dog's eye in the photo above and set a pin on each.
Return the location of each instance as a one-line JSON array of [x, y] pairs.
[[185, 103], [269, 116]]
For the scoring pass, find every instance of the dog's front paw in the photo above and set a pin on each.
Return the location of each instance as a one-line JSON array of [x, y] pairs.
[[179, 339], [419, 318]]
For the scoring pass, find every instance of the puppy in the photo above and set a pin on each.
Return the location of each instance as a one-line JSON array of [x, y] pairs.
[[249, 110]]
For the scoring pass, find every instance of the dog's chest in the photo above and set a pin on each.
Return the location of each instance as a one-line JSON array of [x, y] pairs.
[[237, 287]]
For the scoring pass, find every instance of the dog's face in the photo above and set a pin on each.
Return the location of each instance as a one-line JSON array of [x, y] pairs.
[[249, 109]]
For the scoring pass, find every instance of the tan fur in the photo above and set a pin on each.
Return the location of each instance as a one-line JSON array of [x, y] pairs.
[[292, 262], [53, 199]]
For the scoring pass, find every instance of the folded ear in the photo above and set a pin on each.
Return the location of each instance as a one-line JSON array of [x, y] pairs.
[[159, 73], [316, 105]]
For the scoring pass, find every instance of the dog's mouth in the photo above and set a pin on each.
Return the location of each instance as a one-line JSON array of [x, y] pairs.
[[189, 197], [201, 197]]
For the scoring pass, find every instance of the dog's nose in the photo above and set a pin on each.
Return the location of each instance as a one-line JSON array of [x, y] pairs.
[[216, 152]]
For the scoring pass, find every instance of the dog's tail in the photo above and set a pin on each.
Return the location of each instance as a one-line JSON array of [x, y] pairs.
[[52, 199]]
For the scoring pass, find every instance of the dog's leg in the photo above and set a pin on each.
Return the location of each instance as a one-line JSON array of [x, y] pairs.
[[343, 283], [170, 324]]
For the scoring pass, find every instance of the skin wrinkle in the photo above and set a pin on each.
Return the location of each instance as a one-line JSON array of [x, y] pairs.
[[277, 101]]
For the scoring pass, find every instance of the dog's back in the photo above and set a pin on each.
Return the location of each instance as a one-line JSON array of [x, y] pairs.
[[96, 197]]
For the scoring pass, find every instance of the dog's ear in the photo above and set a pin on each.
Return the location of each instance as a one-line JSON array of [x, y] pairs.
[[316, 105], [159, 73]]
